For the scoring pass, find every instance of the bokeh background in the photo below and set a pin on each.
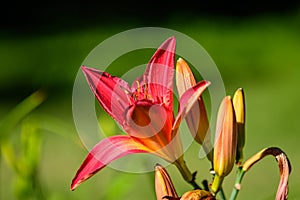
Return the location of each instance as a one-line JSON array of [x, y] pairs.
[[255, 45]]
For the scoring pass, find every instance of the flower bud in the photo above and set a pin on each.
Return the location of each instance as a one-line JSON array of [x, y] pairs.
[[225, 143], [239, 108], [196, 119], [163, 184]]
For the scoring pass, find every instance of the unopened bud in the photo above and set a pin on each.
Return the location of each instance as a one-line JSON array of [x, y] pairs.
[[196, 119], [239, 107], [225, 143], [163, 183]]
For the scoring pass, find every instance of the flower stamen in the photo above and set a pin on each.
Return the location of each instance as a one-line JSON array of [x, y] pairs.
[[141, 92], [138, 89]]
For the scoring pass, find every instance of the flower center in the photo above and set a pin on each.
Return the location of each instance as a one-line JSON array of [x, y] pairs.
[[141, 92]]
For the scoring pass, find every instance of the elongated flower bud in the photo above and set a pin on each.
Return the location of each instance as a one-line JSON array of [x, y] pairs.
[[225, 143], [165, 189], [196, 119], [239, 107], [163, 184]]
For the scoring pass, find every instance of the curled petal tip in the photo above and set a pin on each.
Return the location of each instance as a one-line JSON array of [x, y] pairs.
[[204, 83], [207, 82]]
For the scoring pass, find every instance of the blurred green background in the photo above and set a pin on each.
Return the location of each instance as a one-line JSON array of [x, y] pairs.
[[255, 46]]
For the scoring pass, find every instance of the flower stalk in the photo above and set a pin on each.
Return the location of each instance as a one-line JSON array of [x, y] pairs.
[[186, 173], [237, 183]]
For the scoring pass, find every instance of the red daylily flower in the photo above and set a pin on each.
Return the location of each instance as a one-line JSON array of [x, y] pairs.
[[145, 112]]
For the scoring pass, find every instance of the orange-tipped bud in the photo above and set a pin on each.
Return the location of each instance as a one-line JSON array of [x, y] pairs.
[[196, 119], [225, 143], [239, 107], [163, 184]]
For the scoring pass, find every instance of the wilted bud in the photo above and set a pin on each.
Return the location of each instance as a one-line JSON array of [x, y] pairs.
[[239, 107], [225, 143], [196, 119], [283, 164], [197, 195], [163, 184]]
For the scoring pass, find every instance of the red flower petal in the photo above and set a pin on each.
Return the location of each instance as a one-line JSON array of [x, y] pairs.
[[188, 99], [110, 91], [159, 73], [105, 152]]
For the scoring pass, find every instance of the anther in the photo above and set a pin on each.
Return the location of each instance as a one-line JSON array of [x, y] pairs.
[[138, 87], [134, 97]]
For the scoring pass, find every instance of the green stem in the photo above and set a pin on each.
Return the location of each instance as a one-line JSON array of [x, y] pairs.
[[186, 173], [222, 194], [216, 186], [237, 185]]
